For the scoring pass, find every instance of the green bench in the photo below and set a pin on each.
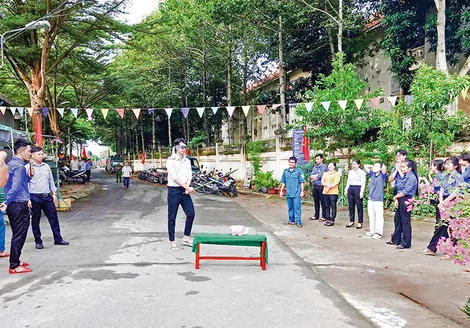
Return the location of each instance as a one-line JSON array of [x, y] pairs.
[[229, 240]]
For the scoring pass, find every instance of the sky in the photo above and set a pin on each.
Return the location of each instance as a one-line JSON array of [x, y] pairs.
[[138, 9]]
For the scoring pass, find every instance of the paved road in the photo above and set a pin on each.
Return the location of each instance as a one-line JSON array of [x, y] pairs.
[[119, 272]]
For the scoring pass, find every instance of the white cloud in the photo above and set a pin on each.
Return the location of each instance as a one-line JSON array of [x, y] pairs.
[[138, 9]]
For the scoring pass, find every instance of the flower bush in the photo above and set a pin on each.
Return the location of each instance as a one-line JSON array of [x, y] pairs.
[[422, 205], [456, 214]]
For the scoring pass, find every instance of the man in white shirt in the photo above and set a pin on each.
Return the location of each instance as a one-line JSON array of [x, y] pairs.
[[179, 190], [74, 164], [43, 193], [126, 175]]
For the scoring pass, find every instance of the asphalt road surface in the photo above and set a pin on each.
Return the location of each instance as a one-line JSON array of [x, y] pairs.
[[118, 271]]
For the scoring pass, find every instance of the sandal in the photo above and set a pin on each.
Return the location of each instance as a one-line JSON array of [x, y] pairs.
[[4, 254], [289, 223], [312, 218], [359, 226], [322, 220], [19, 269], [188, 243], [350, 225]]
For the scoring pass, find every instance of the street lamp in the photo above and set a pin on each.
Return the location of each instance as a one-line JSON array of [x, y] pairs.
[[34, 25]]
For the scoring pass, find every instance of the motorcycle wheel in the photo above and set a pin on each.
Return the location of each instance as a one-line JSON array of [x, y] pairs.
[[233, 192], [83, 179]]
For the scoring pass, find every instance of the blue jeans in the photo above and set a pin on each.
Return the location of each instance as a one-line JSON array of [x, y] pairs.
[[2, 232], [126, 182], [295, 211]]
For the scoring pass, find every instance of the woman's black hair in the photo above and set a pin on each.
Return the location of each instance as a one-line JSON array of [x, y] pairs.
[[439, 163], [454, 160]]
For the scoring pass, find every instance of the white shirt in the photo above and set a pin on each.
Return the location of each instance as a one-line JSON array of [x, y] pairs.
[[126, 171], [356, 178], [178, 169], [74, 165], [42, 181]]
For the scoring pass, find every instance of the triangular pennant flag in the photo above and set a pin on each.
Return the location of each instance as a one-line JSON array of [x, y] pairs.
[[61, 111], [185, 112], [343, 104], [246, 109], [20, 110], [200, 111], [214, 109], [45, 110], [89, 112], [358, 103], [74, 111], [120, 112], [326, 105], [230, 110], [276, 106], [375, 102], [261, 108], [168, 111], [392, 100], [409, 99], [151, 110], [13, 110], [136, 112], [104, 111], [29, 109], [293, 105], [3, 109], [464, 93], [309, 106]]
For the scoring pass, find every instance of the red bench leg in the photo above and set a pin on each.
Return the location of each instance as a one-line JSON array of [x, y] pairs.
[[263, 255], [197, 255]]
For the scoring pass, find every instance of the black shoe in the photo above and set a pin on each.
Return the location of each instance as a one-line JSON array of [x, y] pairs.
[[359, 226], [39, 246], [313, 218], [329, 223], [63, 242], [350, 225], [401, 247], [390, 242]]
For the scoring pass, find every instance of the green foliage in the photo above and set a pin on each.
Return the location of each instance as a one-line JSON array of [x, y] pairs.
[[196, 141], [466, 309], [265, 180], [254, 150], [338, 129], [432, 128]]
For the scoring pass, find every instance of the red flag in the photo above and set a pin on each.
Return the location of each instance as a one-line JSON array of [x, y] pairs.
[[143, 157], [38, 132], [305, 149], [187, 151], [83, 152]]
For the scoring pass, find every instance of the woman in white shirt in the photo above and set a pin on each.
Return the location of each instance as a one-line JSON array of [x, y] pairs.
[[355, 192]]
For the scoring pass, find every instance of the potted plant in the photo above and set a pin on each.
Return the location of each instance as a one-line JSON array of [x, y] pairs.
[[265, 182]]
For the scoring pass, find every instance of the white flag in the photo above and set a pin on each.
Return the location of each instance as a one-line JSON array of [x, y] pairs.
[[168, 111], [136, 112], [13, 110], [230, 110], [104, 111], [89, 112], [214, 109], [20, 110], [74, 112], [392, 100], [326, 105], [358, 103], [61, 111], [200, 111], [342, 104], [309, 106], [246, 109]]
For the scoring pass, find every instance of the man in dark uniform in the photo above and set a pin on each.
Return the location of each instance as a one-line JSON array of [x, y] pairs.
[[17, 203]]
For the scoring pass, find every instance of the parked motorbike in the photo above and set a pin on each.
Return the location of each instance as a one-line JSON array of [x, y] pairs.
[[215, 182], [67, 175]]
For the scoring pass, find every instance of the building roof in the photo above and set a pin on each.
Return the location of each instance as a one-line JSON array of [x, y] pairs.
[[4, 101]]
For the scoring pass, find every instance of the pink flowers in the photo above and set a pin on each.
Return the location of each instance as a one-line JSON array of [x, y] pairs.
[[456, 214]]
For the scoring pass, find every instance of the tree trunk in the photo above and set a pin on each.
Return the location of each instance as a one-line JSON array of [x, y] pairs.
[[229, 93], [142, 135], [466, 68], [441, 61], [282, 82], [154, 142], [340, 26], [207, 134]]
